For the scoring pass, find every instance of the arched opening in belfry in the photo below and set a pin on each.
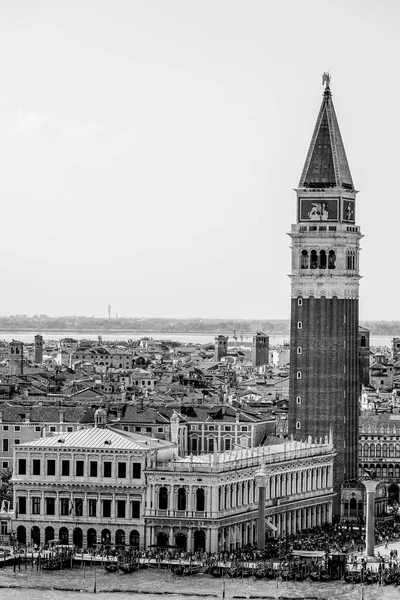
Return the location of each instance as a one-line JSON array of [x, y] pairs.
[[314, 259], [363, 341], [332, 259], [304, 259], [322, 259]]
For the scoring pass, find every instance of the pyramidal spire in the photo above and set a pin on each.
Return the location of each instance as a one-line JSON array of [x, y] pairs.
[[326, 164]]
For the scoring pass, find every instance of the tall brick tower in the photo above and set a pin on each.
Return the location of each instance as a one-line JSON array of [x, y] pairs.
[[260, 350], [324, 367], [221, 347], [38, 358], [16, 358]]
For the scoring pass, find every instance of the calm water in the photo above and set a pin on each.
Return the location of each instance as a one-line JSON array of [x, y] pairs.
[[160, 582], [184, 338]]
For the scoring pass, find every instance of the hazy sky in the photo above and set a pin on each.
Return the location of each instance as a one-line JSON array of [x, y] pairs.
[[149, 150]]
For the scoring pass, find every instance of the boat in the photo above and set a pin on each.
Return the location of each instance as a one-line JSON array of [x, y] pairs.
[[128, 567], [111, 568]]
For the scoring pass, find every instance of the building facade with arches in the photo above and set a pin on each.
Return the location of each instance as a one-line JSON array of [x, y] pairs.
[[379, 451], [85, 488], [210, 502]]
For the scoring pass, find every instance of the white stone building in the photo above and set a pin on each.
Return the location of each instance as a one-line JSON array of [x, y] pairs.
[[85, 488]]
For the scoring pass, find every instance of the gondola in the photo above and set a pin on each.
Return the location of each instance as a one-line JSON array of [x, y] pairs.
[[111, 568], [128, 567]]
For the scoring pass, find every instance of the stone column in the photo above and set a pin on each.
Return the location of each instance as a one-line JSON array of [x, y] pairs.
[[370, 487], [260, 478]]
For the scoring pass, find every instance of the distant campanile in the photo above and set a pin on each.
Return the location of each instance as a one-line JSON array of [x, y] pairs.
[[324, 371]]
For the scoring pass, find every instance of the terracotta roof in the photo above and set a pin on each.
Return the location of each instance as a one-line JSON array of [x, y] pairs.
[[97, 437]]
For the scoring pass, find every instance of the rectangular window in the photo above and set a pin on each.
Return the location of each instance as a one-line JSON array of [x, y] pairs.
[[228, 428], [21, 466], [78, 507], [22, 505], [50, 506], [79, 468], [65, 468], [17, 428], [17, 442], [92, 507], [121, 470], [37, 429], [136, 470], [298, 426], [36, 466], [135, 509], [298, 400], [52, 428], [107, 509], [160, 429], [227, 444], [245, 428], [299, 325], [70, 429], [93, 468], [299, 350], [194, 445], [107, 469], [121, 509], [36, 506], [5, 464], [51, 467], [5, 445], [211, 428], [211, 445], [64, 506], [5, 427]]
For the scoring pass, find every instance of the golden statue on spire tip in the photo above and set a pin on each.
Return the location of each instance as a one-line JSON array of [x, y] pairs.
[[326, 79]]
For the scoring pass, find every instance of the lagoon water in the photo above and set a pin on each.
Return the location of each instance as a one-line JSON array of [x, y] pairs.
[[185, 338], [159, 582]]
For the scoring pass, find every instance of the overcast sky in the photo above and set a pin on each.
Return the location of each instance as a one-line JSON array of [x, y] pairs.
[[149, 150]]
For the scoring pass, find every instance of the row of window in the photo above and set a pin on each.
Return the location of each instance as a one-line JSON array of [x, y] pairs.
[[380, 450], [38, 428], [209, 444], [212, 428], [182, 499], [65, 468], [75, 508]]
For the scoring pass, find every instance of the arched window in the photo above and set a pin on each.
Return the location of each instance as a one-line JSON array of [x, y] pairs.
[[365, 453], [304, 259], [181, 499], [391, 450], [322, 259], [363, 341], [332, 259], [200, 499], [163, 498], [314, 259], [378, 451], [353, 507], [397, 450], [384, 450], [372, 450]]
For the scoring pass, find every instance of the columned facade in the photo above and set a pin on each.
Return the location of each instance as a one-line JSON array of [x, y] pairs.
[[213, 504]]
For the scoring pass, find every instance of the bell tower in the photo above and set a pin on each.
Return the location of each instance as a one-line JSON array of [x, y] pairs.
[[324, 367]]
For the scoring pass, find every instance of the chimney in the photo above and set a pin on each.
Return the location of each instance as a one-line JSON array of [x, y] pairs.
[[28, 416], [62, 415]]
